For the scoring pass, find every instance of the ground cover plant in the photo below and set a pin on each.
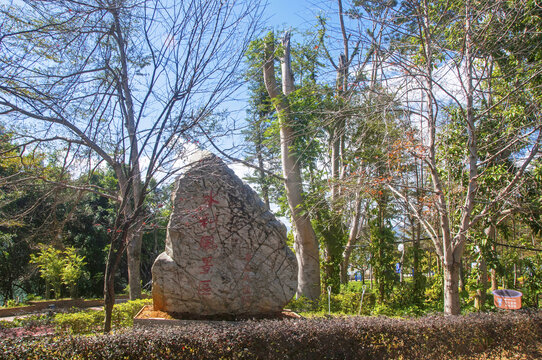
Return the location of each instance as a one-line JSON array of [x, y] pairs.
[[446, 337]]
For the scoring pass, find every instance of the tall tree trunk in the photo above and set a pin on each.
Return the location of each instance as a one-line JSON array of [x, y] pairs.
[[480, 297], [334, 239], [261, 174], [109, 289], [109, 299], [113, 259], [346, 263], [338, 128], [133, 254], [371, 275], [461, 276], [450, 248], [494, 285], [418, 277], [306, 245], [352, 238], [451, 288], [491, 233], [133, 189]]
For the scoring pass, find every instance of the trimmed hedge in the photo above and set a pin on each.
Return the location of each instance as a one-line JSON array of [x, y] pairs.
[[432, 337], [92, 321], [81, 322]]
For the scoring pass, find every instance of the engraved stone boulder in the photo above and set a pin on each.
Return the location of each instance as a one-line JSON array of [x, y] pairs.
[[225, 252]]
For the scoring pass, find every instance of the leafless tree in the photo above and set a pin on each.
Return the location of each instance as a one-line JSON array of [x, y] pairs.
[[121, 82]]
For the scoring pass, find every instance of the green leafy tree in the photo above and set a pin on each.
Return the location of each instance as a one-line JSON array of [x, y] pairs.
[[532, 277], [31, 210], [14, 254], [89, 231], [72, 270], [382, 247], [51, 265], [306, 243]]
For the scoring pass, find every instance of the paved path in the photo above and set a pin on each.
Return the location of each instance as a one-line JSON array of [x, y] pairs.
[[11, 318], [45, 311]]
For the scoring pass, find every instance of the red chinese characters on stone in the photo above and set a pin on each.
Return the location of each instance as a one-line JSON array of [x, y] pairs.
[[207, 264], [210, 199], [206, 221], [248, 258], [207, 243], [204, 287]]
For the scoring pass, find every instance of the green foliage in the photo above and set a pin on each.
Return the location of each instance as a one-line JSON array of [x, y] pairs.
[[533, 199], [72, 270], [27, 207], [50, 264], [11, 303], [91, 321], [382, 259], [59, 267], [331, 233], [14, 254], [80, 322], [346, 302], [532, 285], [88, 230], [302, 304], [434, 295]]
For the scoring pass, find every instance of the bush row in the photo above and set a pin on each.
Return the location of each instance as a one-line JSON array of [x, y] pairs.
[[343, 303], [82, 322], [318, 338], [91, 321]]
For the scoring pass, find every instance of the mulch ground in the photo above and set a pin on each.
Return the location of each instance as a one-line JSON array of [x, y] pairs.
[[149, 313]]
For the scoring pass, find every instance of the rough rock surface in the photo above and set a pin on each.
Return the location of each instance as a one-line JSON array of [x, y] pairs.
[[225, 252]]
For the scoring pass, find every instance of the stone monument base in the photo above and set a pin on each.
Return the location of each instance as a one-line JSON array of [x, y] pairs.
[[148, 317]]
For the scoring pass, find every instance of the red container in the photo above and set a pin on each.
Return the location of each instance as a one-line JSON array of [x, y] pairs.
[[507, 299]]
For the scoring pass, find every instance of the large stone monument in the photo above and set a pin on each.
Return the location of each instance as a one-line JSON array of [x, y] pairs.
[[226, 254]]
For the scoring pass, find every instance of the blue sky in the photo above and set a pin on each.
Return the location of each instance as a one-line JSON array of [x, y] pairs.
[[290, 13]]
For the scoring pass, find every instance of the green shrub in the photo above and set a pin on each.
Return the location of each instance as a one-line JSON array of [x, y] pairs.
[[81, 322], [355, 287], [302, 304], [11, 303], [33, 297], [434, 294], [348, 303], [344, 303], [123, 314], [91, 321], [4, 324]]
